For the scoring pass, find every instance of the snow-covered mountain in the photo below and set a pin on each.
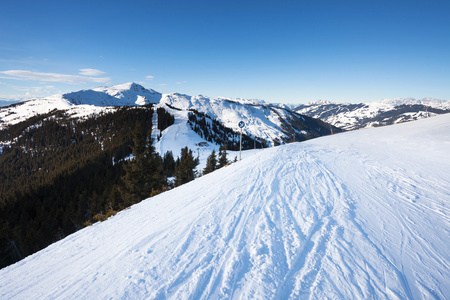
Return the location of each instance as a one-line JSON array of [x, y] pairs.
[[79, 104], [118, 95], [384, 112], [363, 214], [263, 121]]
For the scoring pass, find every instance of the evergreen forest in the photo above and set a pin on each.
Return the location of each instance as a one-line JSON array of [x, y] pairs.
[[59, 174]]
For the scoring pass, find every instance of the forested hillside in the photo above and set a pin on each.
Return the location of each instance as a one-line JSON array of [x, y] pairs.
[[59, 174]]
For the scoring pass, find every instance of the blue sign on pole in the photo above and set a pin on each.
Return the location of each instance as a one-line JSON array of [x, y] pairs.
[[241, 125]]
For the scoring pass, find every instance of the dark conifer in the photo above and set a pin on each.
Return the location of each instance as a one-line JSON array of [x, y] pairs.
[[185, 170], [223, 161], [169, 164], [165, 119], [211, 163], [144, 173]]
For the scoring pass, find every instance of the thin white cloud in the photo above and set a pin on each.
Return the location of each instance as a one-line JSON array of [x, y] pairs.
[[52, 77], [149, 77], [163, 84], [181, 82], [34, 89], [91, 72]]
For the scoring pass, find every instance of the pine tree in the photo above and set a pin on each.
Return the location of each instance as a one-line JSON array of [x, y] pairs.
[[143, 174], [211, 163], [153, 167], [169, 164], [223, 161], [185, 170]]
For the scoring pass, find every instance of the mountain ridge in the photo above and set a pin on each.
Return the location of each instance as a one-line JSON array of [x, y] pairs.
[[263, 121], [350, 116]]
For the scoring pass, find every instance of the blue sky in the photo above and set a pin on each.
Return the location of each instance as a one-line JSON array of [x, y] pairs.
[[279, 51]]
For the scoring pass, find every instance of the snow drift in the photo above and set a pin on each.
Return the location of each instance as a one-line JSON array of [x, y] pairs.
[[363, 214]]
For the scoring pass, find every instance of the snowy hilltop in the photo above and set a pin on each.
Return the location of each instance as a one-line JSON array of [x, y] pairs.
[[350, 116], [118, 95], [362, 214]]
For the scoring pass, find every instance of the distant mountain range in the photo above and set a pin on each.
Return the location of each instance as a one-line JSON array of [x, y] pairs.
[[273, 123], [351, 116]]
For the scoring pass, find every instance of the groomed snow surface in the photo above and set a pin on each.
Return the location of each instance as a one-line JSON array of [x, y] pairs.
[[363, 215]]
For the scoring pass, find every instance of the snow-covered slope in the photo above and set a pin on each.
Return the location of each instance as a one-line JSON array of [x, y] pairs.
[[20, 112], [180, 135], [384, 112], [363, 214]]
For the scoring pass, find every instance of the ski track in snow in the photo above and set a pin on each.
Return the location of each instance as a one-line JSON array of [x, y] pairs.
[[312, 220]]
